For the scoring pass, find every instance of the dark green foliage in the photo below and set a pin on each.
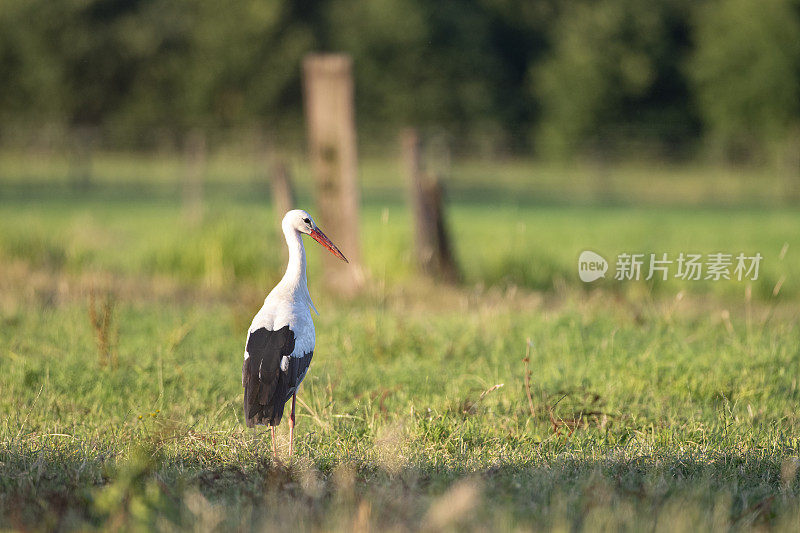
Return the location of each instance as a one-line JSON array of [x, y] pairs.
[[746, 71], [581, 75], [614, 64]]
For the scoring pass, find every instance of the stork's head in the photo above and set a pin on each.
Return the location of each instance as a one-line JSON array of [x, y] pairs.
[[299, 220]]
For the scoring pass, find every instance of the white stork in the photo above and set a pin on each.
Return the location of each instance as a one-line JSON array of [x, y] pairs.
[[280, 341]]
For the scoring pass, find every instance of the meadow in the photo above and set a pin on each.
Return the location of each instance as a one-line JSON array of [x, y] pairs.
[[520, 399]]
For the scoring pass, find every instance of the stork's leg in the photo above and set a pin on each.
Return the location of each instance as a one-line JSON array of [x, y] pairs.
[[291, 427], [274, 445]]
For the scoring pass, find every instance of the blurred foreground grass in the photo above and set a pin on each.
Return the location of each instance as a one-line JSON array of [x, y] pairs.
[[651, 405]]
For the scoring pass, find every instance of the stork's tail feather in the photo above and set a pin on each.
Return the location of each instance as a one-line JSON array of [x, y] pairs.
[[262, 415], [265, 385], [260, 408]]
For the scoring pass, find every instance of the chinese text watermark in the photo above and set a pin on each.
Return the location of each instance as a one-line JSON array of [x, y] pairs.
[[684, 266]]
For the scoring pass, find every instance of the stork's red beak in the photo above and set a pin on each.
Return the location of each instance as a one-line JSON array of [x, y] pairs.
[[321, 238]]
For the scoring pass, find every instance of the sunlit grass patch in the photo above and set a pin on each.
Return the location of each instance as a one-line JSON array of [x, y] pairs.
[[402, 417], [648, 405]]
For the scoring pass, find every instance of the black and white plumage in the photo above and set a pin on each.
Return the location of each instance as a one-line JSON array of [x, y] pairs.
[[271, 374], [281, 338]]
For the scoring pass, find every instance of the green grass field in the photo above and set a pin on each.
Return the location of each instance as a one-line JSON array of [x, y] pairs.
[[649, 405]]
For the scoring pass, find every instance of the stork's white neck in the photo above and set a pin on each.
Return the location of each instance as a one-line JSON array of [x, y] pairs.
[[295, 275], [293, 286]]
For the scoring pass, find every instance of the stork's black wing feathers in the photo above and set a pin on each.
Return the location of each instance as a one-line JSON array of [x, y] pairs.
[[298, 366], [265, 386]]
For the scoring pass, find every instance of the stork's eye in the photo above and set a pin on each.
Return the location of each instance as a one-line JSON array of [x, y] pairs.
[[307, 221]]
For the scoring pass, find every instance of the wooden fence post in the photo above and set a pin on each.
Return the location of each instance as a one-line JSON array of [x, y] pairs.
[[83, 140], [272, 167], [330, 118], [282, 189], [431, 239], [792, 166], [195, 149]]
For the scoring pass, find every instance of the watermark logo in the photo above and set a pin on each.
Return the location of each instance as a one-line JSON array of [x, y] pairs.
[[684, 266], [591, 266]]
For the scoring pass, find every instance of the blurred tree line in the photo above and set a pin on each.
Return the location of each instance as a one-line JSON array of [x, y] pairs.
[[557, 76]]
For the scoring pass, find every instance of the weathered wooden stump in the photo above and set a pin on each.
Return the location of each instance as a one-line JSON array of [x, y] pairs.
[[328, 84], [194, 175], [434, 252]]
